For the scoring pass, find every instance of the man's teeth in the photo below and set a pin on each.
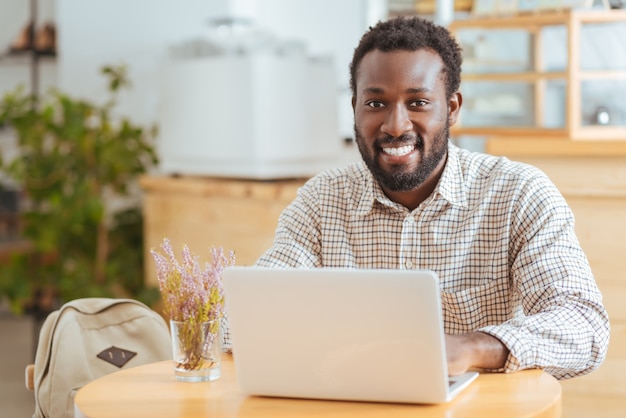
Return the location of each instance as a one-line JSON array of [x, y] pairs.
[[399, 151]]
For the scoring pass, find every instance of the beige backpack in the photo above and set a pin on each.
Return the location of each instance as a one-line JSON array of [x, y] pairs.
[[88, 338]]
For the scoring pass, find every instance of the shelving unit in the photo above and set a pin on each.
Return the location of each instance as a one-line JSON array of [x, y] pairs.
[[16, 70], [530, 80], [34, 68], [36, 71]]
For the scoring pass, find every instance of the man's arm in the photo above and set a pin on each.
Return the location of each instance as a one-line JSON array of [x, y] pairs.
[[474, 350], [563, 327], [297, 238]]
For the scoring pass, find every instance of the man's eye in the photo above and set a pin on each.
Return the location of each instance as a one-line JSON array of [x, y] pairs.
[[375, 104], [419, 103]]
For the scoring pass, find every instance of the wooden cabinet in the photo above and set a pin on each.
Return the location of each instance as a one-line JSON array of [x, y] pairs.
[[592, 177], [559, 74], [239, 215]]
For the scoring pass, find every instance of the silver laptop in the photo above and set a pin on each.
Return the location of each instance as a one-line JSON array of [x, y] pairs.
[[343, 334]]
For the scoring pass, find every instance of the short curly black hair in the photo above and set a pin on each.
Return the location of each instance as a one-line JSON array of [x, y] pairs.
[[411, 34]]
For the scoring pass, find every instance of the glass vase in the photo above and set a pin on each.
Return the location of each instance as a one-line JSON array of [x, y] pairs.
[[196, 350]]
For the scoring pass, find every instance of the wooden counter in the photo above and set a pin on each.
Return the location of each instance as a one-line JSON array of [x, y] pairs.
[[239, 215]]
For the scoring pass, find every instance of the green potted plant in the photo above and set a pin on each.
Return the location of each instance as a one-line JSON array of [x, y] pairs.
[[77, 168]]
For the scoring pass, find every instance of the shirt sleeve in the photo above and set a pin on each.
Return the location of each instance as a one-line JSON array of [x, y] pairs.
[[564, 328], [297, 241]]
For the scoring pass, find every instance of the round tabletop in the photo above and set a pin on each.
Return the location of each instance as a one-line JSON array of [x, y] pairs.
[[152, 391]]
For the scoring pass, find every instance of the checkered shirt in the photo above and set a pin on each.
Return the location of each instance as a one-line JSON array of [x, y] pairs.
[[499, 235]]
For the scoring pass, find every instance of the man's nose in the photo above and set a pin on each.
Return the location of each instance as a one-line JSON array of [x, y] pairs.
[[397, 121]]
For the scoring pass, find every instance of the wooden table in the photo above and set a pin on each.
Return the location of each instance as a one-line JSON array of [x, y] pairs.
[[151, 391]]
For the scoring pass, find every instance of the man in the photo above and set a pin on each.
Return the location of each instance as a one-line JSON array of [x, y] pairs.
[[517, 290]]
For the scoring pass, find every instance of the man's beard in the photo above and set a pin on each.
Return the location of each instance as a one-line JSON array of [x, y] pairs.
[[397, 179]]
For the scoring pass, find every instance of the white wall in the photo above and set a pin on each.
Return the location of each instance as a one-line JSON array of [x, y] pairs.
[[100, 32], [95, 33]]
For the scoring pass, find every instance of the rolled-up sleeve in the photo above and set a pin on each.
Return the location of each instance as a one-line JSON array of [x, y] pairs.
[[564, 327]]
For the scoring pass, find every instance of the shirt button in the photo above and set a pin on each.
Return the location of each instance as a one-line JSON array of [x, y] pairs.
[[410, 220], [408, 264]]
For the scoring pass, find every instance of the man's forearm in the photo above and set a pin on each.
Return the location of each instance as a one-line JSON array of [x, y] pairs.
[[474, 350]]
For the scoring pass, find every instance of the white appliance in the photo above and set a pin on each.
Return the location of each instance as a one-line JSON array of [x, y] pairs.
[[259, 110]]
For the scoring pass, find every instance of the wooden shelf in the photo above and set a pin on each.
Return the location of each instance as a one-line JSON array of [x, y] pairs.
[[573, 125], [545, 18]]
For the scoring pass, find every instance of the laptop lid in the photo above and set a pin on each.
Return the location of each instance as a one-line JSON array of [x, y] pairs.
[[345, 334]]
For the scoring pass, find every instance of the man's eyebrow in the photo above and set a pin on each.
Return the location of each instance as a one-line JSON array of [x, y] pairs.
[[378, 90], [418, 90], [373, 90]]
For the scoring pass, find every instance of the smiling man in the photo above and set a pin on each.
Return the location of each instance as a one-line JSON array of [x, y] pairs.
[[517, 290]]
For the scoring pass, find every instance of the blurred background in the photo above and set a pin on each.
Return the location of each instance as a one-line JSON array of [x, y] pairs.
[[125, 121]]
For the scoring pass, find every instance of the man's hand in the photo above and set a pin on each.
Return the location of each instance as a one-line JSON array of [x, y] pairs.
[[474, 350]]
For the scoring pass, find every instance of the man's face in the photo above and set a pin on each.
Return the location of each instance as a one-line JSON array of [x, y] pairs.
[[402, 117]]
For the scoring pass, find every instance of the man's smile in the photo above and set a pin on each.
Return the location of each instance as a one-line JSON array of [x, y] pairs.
[[399, 151]]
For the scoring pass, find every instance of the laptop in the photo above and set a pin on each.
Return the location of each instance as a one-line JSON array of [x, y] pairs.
[[341, 334]]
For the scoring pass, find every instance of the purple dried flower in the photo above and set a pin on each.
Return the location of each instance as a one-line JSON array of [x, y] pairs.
[[191, 292]]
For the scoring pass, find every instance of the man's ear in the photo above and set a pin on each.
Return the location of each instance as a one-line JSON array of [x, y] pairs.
[[353, 103], [454, 107]]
